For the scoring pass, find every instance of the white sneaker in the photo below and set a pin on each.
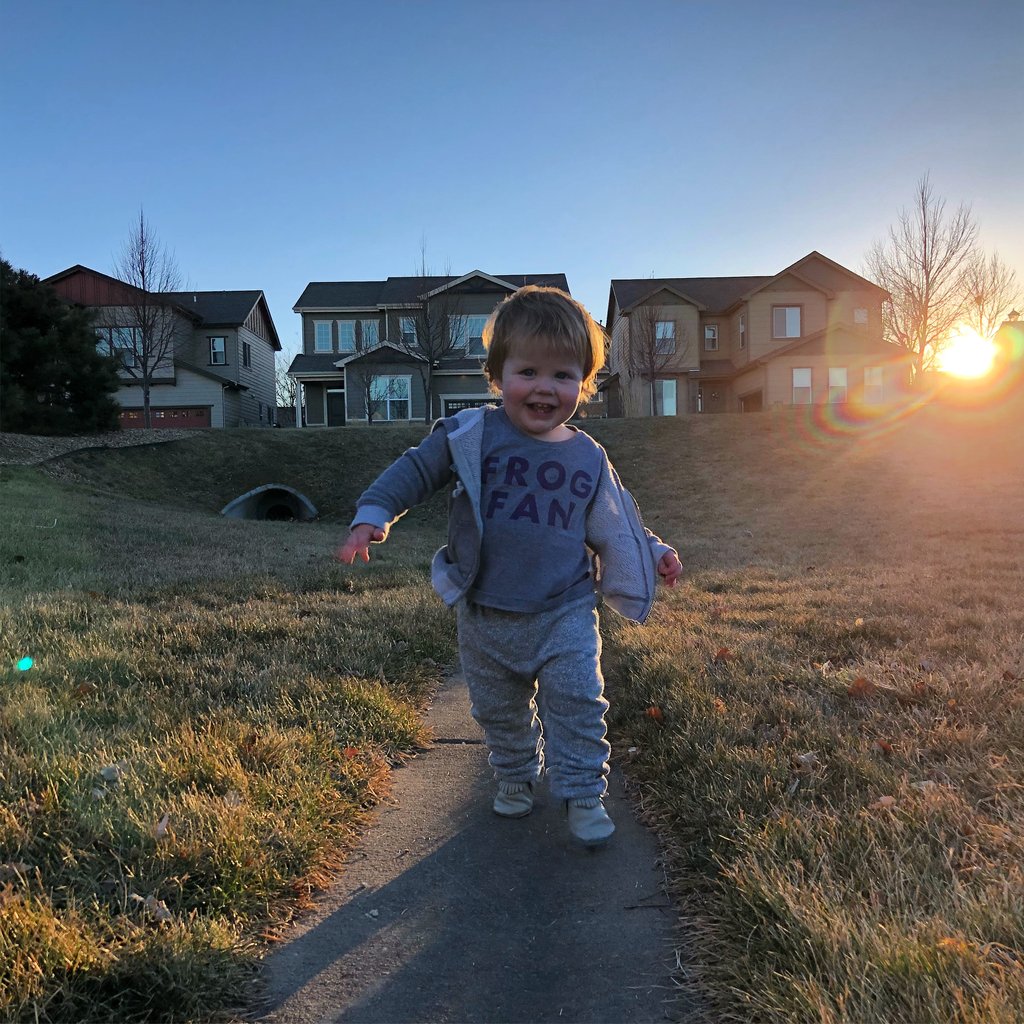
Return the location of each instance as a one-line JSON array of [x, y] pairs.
[[589, 821], [514, 799]]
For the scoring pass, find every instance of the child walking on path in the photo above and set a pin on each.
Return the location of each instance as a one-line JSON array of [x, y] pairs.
[[538, 526]]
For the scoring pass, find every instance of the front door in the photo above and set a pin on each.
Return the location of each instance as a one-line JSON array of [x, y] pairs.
[[335, 407]]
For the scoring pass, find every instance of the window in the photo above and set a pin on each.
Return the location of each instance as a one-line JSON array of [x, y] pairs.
[[246, 354], [218, 351], [837, 384], [370, 332], [120, 342], [743, 330], [802, 386], [407, 325], [860, 315], [467, 332], [664, 398], [665, 337], [711, 338], [785, 321], [322, 336], [346, 335], [389, 398], [873, 385]]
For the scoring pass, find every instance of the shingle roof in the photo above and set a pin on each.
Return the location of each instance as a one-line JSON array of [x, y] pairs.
[[396, 291], [315, 364], [222, 308], [716, 293]]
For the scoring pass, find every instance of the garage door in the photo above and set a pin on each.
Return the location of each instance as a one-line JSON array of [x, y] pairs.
[[175, 417]]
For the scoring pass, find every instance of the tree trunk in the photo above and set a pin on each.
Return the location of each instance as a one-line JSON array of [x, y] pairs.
[[146, 414]]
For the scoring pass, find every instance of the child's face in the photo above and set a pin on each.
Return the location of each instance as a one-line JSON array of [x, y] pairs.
[[540, 390]]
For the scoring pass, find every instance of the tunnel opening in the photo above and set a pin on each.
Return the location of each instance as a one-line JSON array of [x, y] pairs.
[[272, 502]]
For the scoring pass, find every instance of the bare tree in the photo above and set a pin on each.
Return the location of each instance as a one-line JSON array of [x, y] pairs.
[[285, 387], [992, 292], [436, 331], [923, 264], [652, 343], [145, 327]]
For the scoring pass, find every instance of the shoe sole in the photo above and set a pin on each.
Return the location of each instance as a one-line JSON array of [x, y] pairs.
[[521, 814]]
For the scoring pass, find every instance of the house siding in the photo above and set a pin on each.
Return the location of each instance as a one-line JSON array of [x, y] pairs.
[[259, 378], [813, 317], [191, 389]]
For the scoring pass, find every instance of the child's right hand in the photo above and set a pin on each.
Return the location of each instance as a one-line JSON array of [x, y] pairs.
[[359, 541]]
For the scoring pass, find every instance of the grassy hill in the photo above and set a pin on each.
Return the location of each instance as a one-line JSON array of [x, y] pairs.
[[824, 720]]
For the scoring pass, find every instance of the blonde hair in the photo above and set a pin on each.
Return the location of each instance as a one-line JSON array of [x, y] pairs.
[[548, 316]]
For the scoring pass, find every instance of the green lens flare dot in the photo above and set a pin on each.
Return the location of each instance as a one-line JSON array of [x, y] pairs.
[[25, 664]]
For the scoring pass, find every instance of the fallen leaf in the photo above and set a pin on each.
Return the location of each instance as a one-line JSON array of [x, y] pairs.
[[1009, 677], [806, 761], [882, 803], [882, 747], [954, 945], [84, 689], [655, 712], [861, 687], [723, 655], [372, 913], [160, 829], [157, 909], [720, 706], [858, 622], [351, 752], [113, 772]]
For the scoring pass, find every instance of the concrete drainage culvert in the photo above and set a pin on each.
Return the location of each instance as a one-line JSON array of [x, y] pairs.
[[271, 501]]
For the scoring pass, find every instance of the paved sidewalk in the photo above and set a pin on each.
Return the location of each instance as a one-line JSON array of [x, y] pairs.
[[448, 913]]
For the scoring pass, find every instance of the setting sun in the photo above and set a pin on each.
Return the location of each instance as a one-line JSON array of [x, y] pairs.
[[967, 355]]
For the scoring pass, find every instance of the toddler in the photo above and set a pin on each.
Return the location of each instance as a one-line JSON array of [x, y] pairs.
[[538, 526]]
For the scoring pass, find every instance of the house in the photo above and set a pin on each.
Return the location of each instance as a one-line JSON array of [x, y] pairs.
[[400, 349], [810, 333], [220, 370]]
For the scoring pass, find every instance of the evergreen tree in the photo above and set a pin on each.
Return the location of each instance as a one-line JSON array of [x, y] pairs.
[[53, 380]]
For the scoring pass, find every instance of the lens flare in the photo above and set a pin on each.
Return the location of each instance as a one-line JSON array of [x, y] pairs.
[[25, 664], [967, 355]]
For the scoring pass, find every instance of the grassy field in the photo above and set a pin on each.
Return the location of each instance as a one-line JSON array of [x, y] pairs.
[[824, 721]]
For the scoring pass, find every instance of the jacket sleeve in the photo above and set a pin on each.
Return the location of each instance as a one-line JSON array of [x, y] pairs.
[[412, 478]]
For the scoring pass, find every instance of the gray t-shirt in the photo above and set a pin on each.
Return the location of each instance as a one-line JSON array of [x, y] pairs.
[[535, 496]]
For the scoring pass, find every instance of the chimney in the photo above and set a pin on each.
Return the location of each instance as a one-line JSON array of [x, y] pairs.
[[1013, 316]]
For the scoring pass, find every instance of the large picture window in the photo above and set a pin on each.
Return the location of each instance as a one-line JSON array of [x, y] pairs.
[[390, 398], [785, 321], [802, 385]]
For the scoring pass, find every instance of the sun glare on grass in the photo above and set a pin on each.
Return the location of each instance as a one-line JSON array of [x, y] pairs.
[[968, 354]]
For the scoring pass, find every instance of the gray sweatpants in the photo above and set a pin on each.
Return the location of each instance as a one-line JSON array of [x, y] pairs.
[[536, 688]]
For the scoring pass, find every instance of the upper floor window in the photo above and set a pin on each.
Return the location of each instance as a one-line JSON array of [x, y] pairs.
[[218, 351], [322, 336], [860, 315], [407, 328], [370, 331], [873, 385], [346, 335], [743, 330], [785, 321], [246, 354], [802, 385], [837, 384], [120, 342], [665, 337], [468, 332], [711, 338]]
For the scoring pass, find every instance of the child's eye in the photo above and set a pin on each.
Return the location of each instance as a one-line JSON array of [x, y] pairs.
[[526, 372]]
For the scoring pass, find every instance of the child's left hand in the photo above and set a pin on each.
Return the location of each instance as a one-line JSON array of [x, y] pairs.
[[669, 568]]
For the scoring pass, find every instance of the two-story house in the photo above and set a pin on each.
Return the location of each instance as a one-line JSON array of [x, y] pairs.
[[218, 369], [810, 333], [407, 348]]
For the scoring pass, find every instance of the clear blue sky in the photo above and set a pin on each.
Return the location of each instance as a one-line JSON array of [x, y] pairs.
[[276, 143]]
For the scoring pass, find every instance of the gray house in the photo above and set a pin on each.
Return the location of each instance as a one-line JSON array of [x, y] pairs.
[[408, 348], [221, 371]]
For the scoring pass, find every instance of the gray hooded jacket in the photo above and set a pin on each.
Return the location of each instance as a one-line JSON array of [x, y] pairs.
[[625, 554]]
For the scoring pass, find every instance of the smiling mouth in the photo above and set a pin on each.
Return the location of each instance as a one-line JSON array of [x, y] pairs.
[[542, 409]]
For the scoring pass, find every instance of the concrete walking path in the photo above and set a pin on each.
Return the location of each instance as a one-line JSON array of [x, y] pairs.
[[448, 913]]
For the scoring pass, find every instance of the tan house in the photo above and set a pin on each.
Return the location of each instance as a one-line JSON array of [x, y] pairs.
[[810, 333], [221, 370]]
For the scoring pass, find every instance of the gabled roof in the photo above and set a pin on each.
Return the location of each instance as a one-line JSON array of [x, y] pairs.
[[405, 291], [713, 294], [385, 349], [862, 341]]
